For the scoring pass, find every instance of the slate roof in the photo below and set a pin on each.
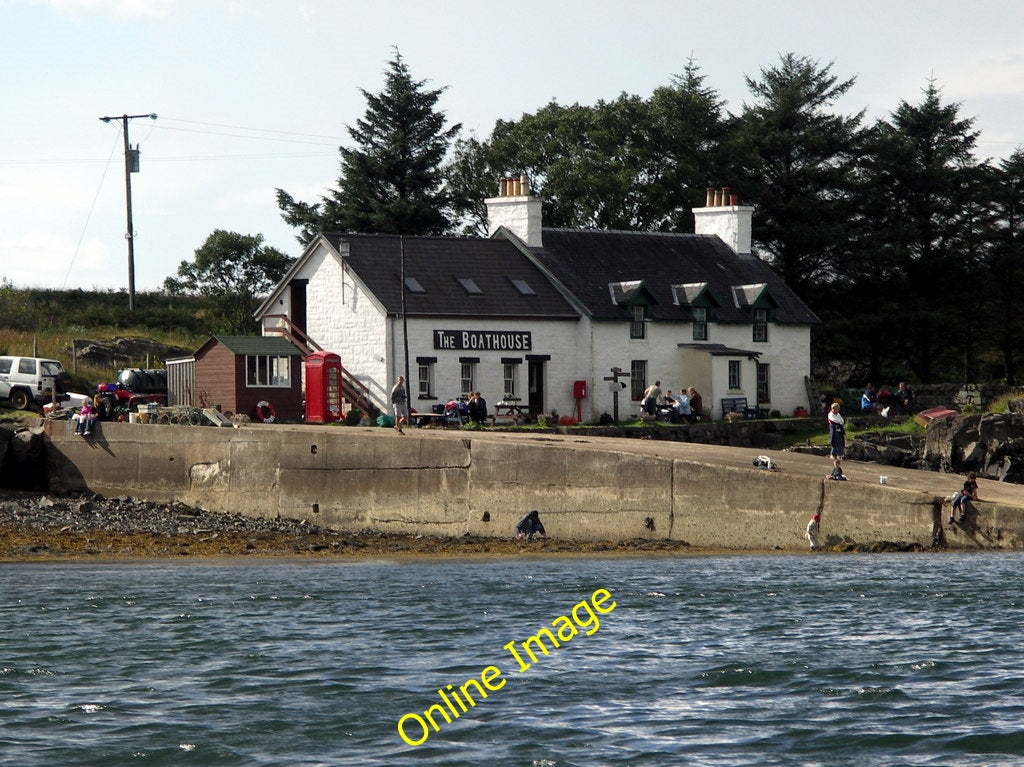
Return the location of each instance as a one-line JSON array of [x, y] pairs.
[[586, 262], [272, 345], [437, 264]]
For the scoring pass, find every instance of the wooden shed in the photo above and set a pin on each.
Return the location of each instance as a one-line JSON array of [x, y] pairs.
[[239, 372]]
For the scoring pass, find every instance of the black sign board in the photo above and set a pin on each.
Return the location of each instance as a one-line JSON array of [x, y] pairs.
[[484, 340]]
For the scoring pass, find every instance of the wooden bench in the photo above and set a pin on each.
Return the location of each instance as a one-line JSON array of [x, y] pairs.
[[739, 405], [426, 419]]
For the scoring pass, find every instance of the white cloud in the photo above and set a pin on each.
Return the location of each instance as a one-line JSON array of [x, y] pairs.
[[995, 73], [47, 260], [155, 9]]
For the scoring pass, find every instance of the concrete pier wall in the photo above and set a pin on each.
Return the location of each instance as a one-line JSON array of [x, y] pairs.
[[453, 483]]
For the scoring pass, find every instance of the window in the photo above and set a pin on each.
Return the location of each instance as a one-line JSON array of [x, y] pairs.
[[510, 372], [700, 323], [425, 376], [760, 325], [413, 285], [637, 328], [734, 374], [469, 286], [764, 391], [524, 287], [26, 365], [5, 366], [637, 379], [266, 370], [468, 376]]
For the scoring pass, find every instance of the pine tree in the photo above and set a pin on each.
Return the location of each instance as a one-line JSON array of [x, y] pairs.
[[799, 160], [391, 180], [931, 227]]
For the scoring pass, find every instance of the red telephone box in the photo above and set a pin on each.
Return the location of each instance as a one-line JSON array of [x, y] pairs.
[[323, 387]]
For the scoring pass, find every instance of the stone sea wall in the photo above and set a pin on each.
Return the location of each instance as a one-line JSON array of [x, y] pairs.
[[454, 484]]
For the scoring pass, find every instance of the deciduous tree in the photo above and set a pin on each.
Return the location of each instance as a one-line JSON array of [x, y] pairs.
[[236, 270]]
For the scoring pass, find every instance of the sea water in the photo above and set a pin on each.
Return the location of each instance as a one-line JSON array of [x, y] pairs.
[[703, 660]]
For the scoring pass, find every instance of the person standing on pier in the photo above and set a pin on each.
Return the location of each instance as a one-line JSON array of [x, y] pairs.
[[836, 440], [400, 401]]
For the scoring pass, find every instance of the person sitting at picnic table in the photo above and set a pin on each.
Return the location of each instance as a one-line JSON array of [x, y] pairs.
[[682, 400], [670, 410], [904, 398], [868, 398], [477, 408], [529, 526], [696, 404]]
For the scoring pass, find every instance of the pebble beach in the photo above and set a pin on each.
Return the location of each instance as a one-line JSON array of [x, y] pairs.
[[39, 526]]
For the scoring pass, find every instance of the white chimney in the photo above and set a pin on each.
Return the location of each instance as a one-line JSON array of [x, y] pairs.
[[725, 217], [515, 209]]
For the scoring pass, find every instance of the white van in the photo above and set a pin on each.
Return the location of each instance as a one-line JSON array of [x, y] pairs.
[[26, 381]]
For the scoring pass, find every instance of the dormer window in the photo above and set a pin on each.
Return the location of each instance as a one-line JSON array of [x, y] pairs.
[[469, 286], [638, 325]]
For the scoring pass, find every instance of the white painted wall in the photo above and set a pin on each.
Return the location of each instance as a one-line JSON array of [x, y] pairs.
[[557, 338], [345, 319], [787, 352]]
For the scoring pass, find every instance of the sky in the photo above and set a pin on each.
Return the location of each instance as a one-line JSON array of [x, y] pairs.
[[255, 95]]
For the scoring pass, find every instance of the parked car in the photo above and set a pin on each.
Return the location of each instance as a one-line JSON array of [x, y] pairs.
[[28, 381]]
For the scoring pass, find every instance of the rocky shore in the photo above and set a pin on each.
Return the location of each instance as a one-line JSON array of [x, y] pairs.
[[40, 527]]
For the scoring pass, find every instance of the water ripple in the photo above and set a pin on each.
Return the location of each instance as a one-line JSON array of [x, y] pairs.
[[705, 660]]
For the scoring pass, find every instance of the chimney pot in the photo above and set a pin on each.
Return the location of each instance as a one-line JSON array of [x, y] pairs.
[[709, 200], [524, 184]]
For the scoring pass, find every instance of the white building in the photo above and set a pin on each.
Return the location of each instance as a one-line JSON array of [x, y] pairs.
[[531, 311]]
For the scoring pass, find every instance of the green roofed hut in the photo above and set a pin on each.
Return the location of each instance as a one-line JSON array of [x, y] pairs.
[[258, 376]]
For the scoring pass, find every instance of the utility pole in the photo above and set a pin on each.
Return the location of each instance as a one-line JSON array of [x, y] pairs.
[[131, 165]]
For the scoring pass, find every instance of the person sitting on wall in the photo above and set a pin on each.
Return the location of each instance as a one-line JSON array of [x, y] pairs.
[[529, 526], [86, 418], [969, 492]]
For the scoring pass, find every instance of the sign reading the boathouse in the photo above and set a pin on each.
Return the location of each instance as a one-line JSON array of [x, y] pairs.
[[484, 340]]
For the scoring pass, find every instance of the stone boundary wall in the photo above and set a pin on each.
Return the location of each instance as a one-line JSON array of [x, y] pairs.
[[363, 479]]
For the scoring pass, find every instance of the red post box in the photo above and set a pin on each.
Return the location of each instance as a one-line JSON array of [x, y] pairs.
[[323, 387]]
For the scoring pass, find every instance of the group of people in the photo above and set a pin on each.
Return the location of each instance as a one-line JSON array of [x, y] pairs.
[[684, 406], [886, 403], [958, 512], [475, 409]]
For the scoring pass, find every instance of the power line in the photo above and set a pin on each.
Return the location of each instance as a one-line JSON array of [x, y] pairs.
[[182, 158], [255, 130], [247, 138], [88, 217]]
